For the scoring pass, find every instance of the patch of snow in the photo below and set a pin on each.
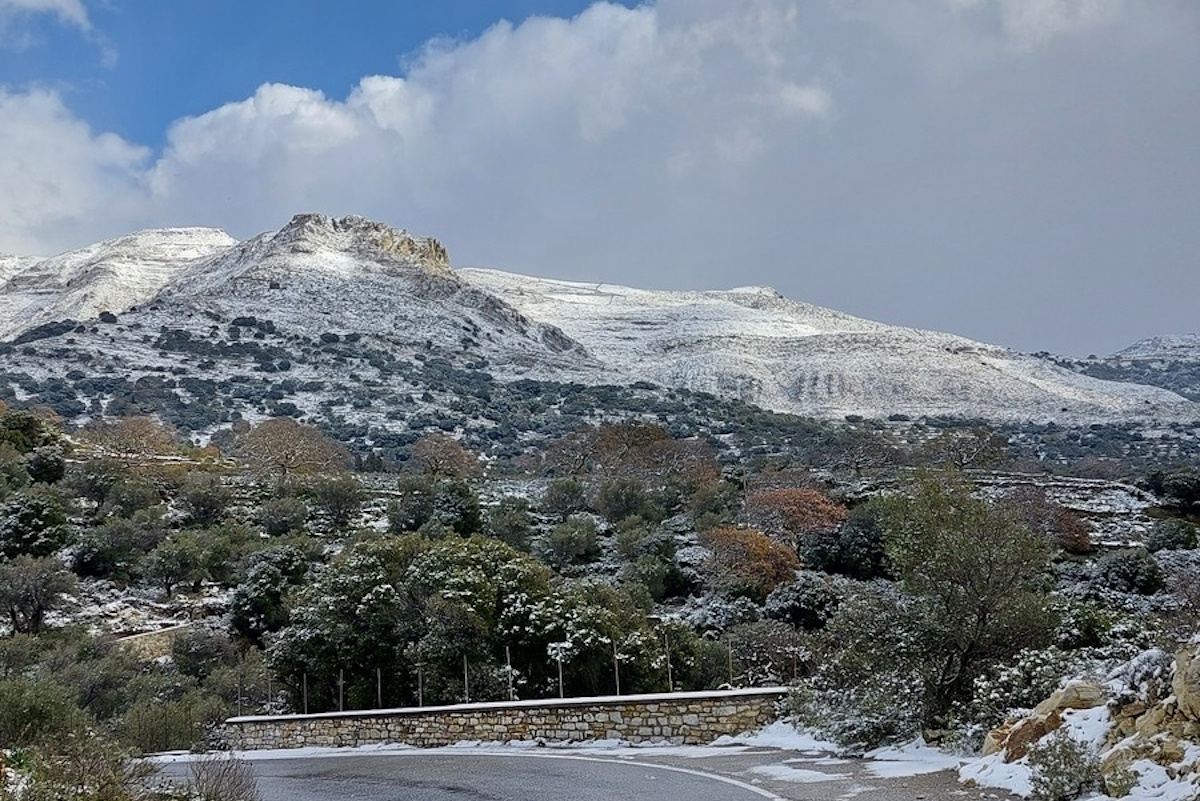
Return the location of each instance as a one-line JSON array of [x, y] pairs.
[[911, 759], [993, 771], [784, 736], [788, 774], [759, 347]]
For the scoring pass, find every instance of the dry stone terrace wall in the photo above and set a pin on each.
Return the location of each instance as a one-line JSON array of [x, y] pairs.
[[680, 718]]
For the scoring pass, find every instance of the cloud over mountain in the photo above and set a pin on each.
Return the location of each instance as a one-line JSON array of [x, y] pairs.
[[923, 163]]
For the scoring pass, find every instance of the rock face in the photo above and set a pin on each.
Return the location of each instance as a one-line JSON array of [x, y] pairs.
[[1163, 727], [1013, 738], [1186, 683]]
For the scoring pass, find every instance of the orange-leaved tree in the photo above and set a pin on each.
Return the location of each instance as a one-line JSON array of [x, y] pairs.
[[790, 513], [747, 562]]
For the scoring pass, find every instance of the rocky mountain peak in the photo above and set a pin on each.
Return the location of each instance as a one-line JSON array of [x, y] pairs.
[[312, 233]]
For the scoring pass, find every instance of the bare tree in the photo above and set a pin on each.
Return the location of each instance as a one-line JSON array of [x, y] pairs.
[[282, 447], [968, 448], [443, 456], [224, 777], [131, 438]]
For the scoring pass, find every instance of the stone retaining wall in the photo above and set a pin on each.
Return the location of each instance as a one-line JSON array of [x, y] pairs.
[[679, 718], [153, 644]]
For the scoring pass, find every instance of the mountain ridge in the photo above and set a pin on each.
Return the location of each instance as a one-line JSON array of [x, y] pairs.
[[321, 283]]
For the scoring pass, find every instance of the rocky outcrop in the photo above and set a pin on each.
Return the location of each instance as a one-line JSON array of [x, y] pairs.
[[310, 233], [1014, 737], [1157, 720], [1163, 725]]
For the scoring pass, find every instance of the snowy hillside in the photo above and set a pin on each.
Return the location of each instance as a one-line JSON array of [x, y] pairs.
[[357, 323], [758, 346], [111, 276], [1184, 347]]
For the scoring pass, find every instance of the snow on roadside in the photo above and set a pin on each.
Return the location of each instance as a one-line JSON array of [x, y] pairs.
[[786, 773], [783, 736], [911, 759]]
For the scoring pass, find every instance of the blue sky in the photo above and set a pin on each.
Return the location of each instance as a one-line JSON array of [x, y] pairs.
[[1023, 172], [139, 65]]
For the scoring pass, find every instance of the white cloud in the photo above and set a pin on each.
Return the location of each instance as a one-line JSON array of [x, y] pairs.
[[851, 152], [1034, 22], [58, 179], [536, 108], [69, 11]]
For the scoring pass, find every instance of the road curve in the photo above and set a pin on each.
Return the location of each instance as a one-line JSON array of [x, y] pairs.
[[418, 776]]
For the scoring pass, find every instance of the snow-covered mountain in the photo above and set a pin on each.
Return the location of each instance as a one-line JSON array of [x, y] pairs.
[[1180, 348], [111, 276], [754, 344], [354, 319]]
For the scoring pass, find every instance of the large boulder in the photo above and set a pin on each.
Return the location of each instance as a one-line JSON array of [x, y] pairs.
[[1013, 737], [1186, 683]]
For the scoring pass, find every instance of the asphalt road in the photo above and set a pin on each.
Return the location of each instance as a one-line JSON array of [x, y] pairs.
[[483, 777]]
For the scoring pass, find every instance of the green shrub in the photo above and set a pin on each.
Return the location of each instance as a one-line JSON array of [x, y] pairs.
[[563, 498], [855, 549], [413, 505], [1171, 535], [339, 499], [806, 603], [280, 516], [199, 651], [571, 542], [153, 725], [510, 522], [456, 505], [35, 710], [204, 498], [1063, 768], [1131, 570], [620, 498], [113, 549]]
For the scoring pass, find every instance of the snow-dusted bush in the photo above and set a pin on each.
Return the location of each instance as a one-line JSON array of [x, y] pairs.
[[1132, 570], [1102, 633], [1017, 686], [767, 652], [807, 602], [32, 522], [866, 687], [1063, 768], [885, 709], [716, 613], [1171, 535]]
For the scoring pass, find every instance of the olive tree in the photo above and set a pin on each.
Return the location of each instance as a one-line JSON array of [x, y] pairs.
[[980, 577]]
